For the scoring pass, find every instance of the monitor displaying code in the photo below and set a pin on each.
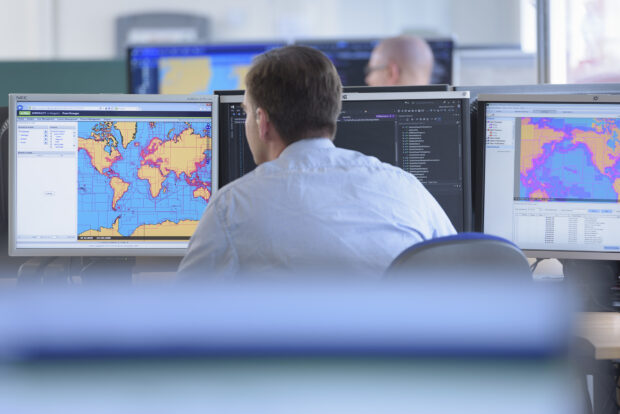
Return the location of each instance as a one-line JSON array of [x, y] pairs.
[[424, 133]]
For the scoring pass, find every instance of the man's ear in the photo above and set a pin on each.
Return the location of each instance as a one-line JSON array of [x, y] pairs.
[[263, 123], [393, 72]]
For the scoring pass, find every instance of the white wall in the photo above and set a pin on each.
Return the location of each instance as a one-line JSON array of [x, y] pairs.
[[487, 21], [24, 27], [84, 29]]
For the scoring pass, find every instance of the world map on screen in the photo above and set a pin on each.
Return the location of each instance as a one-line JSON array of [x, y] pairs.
[[570, 159], [140, 179]]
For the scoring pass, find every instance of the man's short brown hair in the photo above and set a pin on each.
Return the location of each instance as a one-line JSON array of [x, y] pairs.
[[299, 88]]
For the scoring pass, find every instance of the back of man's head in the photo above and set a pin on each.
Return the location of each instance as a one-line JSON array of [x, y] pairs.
[[299, 88], [402, 60]]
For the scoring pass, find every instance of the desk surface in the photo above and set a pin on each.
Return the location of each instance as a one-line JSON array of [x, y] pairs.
[[602, 329]]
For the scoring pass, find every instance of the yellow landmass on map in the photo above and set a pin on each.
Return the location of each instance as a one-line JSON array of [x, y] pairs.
[[240, 71], [127, 130], [184, 228], [179, 155], [616, 186], [99, 157], [103, 132], [120, 187], [184, 75], [103, 231], [154, 177], [603, 155], [202, 192], [539, 194], [532, 141]]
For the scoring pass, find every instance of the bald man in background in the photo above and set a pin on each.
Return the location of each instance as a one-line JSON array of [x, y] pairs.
[[402, 60]]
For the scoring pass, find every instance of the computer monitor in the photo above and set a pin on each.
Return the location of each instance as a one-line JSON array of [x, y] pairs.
[[109, 175], [191, 69], [478, 139], [425, 133], [351, 57], [235, 156], [551, 173]]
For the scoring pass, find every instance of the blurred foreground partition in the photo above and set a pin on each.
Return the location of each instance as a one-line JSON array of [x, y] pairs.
[[442, 346], [57, 76]]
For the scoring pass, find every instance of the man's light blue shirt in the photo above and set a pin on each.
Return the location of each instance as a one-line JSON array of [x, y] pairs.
[[315, 206]]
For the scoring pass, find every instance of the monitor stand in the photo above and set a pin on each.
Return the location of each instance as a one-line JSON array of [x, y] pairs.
[[43, 270], [115, 270], [597, 281]]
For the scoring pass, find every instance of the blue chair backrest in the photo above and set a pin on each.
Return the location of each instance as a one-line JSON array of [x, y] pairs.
[[474, 253]]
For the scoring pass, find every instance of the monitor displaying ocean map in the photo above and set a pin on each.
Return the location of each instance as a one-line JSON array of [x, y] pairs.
[[110, 174], [191, 69], [552, 173]]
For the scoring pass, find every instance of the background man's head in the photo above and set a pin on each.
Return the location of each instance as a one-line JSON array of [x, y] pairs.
[[402, 60], [299, 89]]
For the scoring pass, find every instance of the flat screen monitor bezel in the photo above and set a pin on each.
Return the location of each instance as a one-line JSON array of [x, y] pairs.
[[484, 99], [101, 251], [540, 89], [236, 95], [130, 49], [436, 87]]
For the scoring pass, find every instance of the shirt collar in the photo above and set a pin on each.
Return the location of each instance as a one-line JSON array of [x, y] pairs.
[[305, 145]]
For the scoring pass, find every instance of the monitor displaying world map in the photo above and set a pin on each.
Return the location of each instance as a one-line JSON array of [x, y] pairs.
[[191, 69], [99, 173]]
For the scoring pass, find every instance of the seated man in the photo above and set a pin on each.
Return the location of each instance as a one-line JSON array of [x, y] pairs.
[[400, 61], [308, 205]]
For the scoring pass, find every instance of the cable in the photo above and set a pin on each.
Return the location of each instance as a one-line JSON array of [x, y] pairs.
[[534, 265]]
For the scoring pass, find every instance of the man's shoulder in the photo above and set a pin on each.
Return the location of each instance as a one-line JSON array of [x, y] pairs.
[[244, 181], [351, 159], [326, 161], [375, 165]]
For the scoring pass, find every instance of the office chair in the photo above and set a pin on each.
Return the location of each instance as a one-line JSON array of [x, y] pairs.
[[478, 254]]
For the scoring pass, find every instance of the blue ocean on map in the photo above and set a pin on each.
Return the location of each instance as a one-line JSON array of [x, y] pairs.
[[137, 206], [568, 174], [566, 168]]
